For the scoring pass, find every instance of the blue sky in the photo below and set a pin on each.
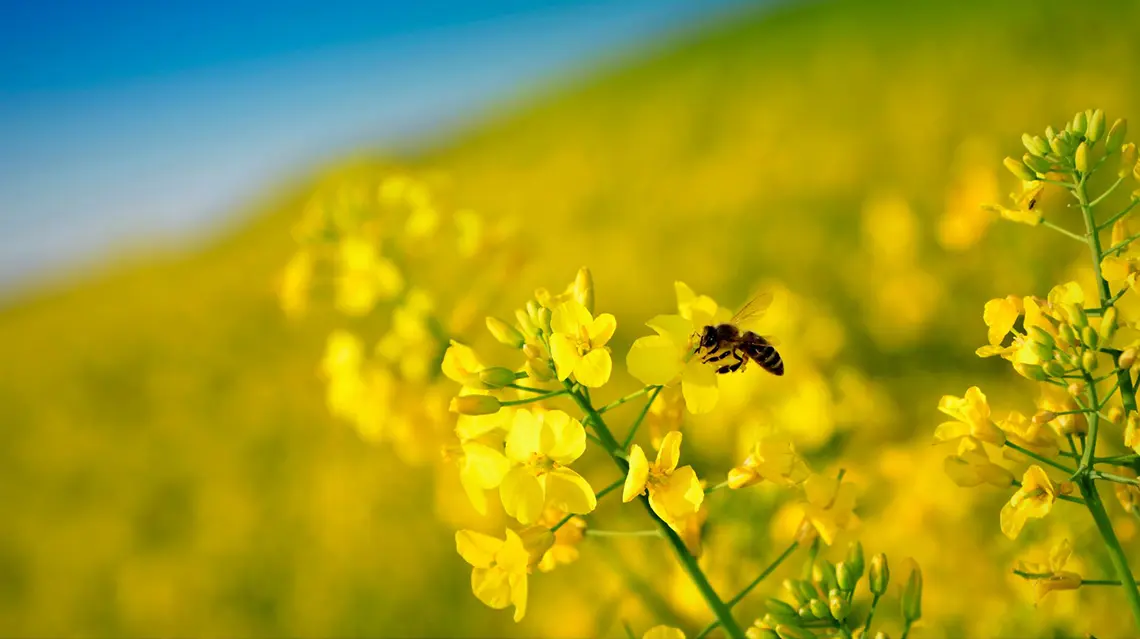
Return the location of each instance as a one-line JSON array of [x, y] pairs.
[[126, 124]]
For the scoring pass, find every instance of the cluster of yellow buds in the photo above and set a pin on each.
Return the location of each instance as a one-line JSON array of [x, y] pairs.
[[823, 604], [1080, 346]]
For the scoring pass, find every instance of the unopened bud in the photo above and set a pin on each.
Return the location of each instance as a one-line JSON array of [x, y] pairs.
[[1132, 432], [1127, 358], [1108, 325], [1096, 126], [504, 333], [544, 319], [781, 610], [1076, 315], [532, 308], [855, 559], [1034, 145], [1019, 170], [1041, 336], [1044, 417], [805, 612], [1088, 361], [1116, 135], [1080, 123], [880, 574], [496, 377], [807, 589], [912, 595], [1116, 415], [1127, 159], [882, 635], [845, 577], [475, 405], [539, 369], [794, 590], [1037, 164], [1090, 337], [756, 632], [1053, 368], [1030, 371], [824, 574], [526, 323], [793, 632], [819, 609], [1081, 158], [839, 607], [584, 289], [1067, 335]]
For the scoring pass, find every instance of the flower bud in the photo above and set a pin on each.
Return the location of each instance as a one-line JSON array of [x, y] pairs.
[[807, 590], [819, 609], [1030, 371], [824, 575], [539, 369], [1127, 358], [1081, 158], [532, 308], [756, 632], [912, 596], [794, 590], [504, 333], [496, 377], [1088, 361], [1090, 337], [793, 632], [1037, 164], [882, 635], [1115, 136], [544, 315], [584, 289], [1057, 144], [1053, 368], [475, 405], [855, 559], [1044, 417], [1127, 159], [1019, 170], [1067, 335], [1108, 325], [1136, 176], [1076, 315], [805, 612], [844, 577], [1116, 415], [839, 607], [1080, 123], [1096, 126], [781, 610], [880, 574], [524, 321], [1132, 432], [1049, 133], [1035, 145]]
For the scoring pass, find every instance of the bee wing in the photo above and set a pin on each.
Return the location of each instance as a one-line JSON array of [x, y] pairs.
[[772, 341], [753, 309]]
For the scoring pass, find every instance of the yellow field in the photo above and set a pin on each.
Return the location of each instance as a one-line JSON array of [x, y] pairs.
[[169, 464]]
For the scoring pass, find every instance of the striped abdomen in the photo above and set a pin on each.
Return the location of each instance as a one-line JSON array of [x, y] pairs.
[[760, 351]]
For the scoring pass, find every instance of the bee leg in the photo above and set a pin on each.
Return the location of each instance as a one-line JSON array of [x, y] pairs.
[[733, 367], [717, 358]]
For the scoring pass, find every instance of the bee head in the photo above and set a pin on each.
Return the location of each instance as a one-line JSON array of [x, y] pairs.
[[708, 337]]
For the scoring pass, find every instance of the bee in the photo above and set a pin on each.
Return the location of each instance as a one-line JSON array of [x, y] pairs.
[[724, 341]]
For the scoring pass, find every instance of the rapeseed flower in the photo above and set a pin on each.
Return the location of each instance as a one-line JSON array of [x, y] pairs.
[[675, 494], [1034, 499], [540, 447], [972, 418], [578, 343], [829, 506], [500, 568]]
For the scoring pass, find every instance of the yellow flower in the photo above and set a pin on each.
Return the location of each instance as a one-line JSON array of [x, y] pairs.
[[566, 539], [1132, 433], [462, 365], [540, 447], [667, 357], [972, 413], [675, 494], [772, 457], [663, 632], [829, 506], [1000, 315], [365, 277], [972, 466], [1026, 433], [296, 279], [1055, 399], [665, 414], [578, 344], [342, 367], [1055, 577], [500, 568], [1034, 498], [481, 468], [701, 310]]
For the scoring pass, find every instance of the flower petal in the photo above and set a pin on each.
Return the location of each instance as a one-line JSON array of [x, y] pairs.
[[564, 351], [524, 438], [699, 386], [568, 316], [663, 632], [654, 360], [602, 329], [523, 495], [476, 548], [485, 465], [569, 491], [568, 437], [669, 453], [678, 329], [638, 474], [594, 369]]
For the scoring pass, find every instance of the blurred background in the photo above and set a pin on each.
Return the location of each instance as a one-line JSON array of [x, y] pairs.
[[168, 463]]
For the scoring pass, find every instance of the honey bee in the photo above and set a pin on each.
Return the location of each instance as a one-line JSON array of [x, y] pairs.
[[723, 341]]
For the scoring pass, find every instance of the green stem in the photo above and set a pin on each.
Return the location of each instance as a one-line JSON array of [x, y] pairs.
[[1118, 459], [528, 389], [1084, 582], [623, 533], [640, 418], [1062, 230], [752, 584], [906, 629], [719, 609], [1094, 425], [870, 614], [1040, 458], [1112, 220], [618, 402], [1096, 474], [1115, 552], [531, 400], [1107, 192]]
